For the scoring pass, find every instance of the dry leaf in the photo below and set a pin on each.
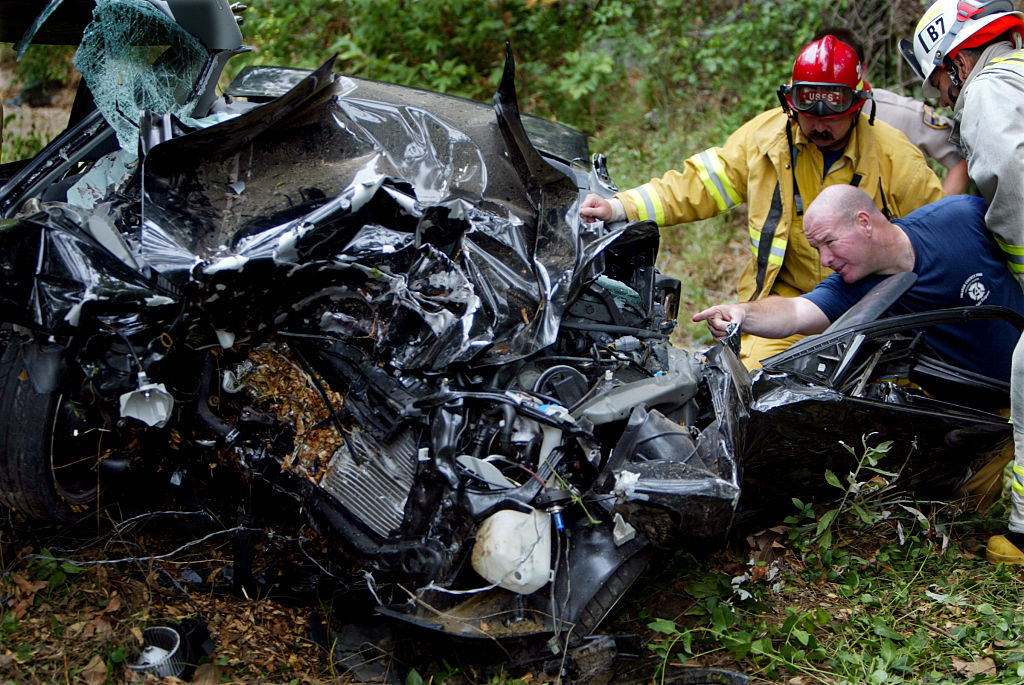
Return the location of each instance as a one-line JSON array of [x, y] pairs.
[[102, 627], [973, 668], [19, 610], [29, 587], [207, 674], [95, 673], [113, 605]]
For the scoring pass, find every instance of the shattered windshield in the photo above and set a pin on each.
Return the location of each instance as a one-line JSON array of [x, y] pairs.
[[134, 58]]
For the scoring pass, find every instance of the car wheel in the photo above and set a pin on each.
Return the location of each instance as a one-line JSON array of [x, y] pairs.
[[613, 589], [48, 452]]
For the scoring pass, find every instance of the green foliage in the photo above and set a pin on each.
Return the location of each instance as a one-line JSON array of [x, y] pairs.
[[455, 46], [915, 609], [44, 63], [857, 497], [52, 570], [22, 146]]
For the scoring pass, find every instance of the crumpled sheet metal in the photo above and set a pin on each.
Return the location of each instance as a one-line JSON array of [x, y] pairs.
[[315, 175], [662, 461], [54, 270], [482, 243], [936, 445]]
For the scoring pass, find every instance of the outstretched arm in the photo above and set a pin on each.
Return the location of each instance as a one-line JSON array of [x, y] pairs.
[[595, 208], [772, 317]]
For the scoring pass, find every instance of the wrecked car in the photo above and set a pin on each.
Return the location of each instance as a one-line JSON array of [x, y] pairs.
[[376, 309], [375, 304]]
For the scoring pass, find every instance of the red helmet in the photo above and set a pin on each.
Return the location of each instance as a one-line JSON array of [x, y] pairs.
[[827, 80]]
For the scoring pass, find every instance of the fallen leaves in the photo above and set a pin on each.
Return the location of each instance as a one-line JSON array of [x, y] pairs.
[[95, 673], [29, 587], [968, 669]]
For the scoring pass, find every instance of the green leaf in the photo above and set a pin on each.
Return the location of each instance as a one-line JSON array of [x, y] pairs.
[[833, 480], [889, 651], [687, 643], [882, 630], [663, 625], [826, 520], [722, 618], [762, 646], [413, 678]]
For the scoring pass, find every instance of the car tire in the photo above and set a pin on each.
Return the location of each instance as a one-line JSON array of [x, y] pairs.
[[613, 589], [47, 466]]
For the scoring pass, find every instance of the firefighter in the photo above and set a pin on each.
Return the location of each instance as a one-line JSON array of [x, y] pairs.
[[968, 53], [777, 163], [926, 128]]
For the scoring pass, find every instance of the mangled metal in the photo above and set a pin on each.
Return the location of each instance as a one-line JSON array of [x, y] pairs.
[[380, 304], [378, 308]]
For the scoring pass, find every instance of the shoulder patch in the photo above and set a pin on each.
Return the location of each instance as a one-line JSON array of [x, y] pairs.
[[932, 119]]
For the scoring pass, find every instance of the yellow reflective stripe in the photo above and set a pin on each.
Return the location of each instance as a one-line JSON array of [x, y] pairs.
[[1014, 255], [648, 204], [1018, 479], [1012, 57], [1018, 482], [712, 175], [777, 252]]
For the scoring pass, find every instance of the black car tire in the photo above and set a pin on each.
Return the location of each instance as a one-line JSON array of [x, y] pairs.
[[46, 470], [613, 589]]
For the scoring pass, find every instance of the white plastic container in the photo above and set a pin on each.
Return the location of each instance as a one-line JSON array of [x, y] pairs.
[[513, 550]]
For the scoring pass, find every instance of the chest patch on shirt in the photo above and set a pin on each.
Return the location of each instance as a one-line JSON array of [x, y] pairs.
[[931, 119], [974, 289]]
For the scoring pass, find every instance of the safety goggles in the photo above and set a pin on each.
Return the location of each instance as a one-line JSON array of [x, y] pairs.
[[824, 99]]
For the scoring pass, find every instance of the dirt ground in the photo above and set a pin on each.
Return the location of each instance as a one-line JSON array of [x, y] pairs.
[[76, 603]]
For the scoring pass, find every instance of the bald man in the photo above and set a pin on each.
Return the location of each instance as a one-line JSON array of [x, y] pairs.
[[945, 243]]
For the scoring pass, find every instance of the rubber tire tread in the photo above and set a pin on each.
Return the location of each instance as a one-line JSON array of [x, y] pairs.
[[610, 593], [26, 480]]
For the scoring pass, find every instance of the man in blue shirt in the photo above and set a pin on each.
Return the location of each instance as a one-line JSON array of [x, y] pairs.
[[945, 243]]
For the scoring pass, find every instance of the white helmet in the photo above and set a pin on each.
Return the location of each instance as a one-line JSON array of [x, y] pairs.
[[948, 24]]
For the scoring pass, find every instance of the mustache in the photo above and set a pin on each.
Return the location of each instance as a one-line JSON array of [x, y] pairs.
[[822, 135]]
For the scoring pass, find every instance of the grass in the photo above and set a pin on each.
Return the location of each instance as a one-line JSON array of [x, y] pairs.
[[876, 589]]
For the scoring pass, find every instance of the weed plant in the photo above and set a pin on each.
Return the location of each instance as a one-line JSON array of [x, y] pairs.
[[873, 588]]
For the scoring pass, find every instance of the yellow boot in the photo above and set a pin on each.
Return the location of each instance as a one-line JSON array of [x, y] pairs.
[[1001, 550]]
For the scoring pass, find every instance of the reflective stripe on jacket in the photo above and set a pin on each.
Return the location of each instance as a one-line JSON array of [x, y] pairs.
[[989, 118], [754, 166]]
